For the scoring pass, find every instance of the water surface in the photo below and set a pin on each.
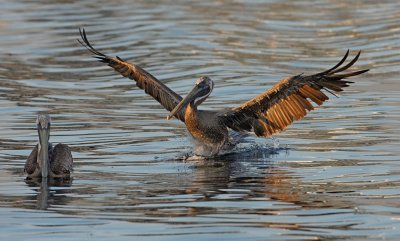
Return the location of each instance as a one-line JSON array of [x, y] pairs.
[[333, 176]]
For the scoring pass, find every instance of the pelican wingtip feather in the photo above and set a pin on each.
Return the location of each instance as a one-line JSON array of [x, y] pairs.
[[144, 80], [290, 99], [337, 68]]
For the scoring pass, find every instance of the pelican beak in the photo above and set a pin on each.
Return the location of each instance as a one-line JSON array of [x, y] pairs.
[[43, 153], [184, 102]]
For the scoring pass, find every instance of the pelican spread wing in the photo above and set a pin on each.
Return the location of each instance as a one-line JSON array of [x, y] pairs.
[[144, 80], [288, 100]]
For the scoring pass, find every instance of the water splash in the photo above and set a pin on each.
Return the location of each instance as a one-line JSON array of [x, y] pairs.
[[250, 149], [275, 142]]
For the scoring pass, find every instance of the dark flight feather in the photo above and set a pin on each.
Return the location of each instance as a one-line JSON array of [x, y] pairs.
[[288, 100], [144, 80]]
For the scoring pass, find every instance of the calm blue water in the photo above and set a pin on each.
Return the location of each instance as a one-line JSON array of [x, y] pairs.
[[333, 176]]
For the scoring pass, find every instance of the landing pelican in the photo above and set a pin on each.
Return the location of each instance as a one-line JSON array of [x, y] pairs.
[[266, 114]]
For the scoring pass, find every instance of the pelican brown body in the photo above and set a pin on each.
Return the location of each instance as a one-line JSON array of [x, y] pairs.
[[266, 114], [44, 160]]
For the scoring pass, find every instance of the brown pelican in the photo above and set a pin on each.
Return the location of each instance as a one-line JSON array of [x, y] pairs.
[[44, 160], [266, 114]]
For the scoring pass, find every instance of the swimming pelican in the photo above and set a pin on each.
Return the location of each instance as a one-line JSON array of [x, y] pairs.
[[266, 114], [44, 160]]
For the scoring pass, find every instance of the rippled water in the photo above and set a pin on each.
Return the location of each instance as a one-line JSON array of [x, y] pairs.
[[335, 175]]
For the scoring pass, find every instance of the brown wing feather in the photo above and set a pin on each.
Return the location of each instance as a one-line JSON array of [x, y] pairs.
[[32, 168], [288, 100], [61, 162], [31, 164], [144, 80]]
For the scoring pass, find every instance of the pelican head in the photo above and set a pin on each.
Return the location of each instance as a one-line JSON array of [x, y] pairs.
[[201, 90], [43, 123]]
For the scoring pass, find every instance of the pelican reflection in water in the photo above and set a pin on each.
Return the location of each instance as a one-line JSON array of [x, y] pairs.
[[44, 160], [266, 114]]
